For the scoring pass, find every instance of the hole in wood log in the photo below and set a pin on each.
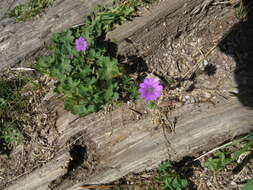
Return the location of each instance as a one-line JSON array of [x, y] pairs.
[[78, 155], [82, 163], [210, 69]]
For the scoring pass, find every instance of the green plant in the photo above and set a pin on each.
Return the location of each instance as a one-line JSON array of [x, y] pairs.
[[152, 105], [12, 103], [169, 179], [249, 185], [219, 161], [9, 135], [240, 10], [243, 9], [92, 78], [12, 106], [245, 147], [29, 10]]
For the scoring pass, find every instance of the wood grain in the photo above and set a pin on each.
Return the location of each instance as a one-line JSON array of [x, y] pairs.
[[127, 142], [40, 178], [21, 39], [136, 146]]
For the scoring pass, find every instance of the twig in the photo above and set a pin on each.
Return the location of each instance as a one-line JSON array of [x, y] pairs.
[[138, 112], [223, 3], [225, 145], [196, 66], [78, 25], [215, 149], [27, 172], [72, 143], [22, 69]]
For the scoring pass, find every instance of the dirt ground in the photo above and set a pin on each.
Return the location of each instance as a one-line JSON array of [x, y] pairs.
[[205, 61], [36, 148]]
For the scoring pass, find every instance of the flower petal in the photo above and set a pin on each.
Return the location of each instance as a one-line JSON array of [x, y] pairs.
[[143, 85]]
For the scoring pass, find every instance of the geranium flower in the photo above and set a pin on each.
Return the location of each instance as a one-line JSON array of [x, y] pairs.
[[81, 44], [150, 89]]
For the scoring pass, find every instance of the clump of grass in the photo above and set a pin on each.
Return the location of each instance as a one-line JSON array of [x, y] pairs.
[[31, 9], [243, 9], [240, 11], [12, 108]]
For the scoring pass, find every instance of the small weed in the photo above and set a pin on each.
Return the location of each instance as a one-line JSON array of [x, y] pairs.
[[30, 10], [11, 99], [221, 159], [169, 179], [243, 9], [12, 106], [91, 78], [240, 11], [9, 136], [152, 105]]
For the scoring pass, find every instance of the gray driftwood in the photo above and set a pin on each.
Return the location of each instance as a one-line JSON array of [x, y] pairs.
[[126, 142], [19, 40], [135, 146], [41, 178]]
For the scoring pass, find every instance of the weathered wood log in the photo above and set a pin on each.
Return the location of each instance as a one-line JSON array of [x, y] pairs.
[[40, 178], [130, 142], [18, 40], [126, 145]]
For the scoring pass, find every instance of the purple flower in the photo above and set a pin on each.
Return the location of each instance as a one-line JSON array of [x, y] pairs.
[[150, 89], [81, 44]]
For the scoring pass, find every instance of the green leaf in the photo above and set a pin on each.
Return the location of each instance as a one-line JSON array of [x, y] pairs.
[[79, 109], [108, 68], [164, 166], [219, 161], [85, 72], [249, 185], [244, 149], [184, 183]]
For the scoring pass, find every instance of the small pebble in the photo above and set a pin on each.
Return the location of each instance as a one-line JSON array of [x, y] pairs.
[[207, 95], [205, 62], [187, 97], [233, 183]]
